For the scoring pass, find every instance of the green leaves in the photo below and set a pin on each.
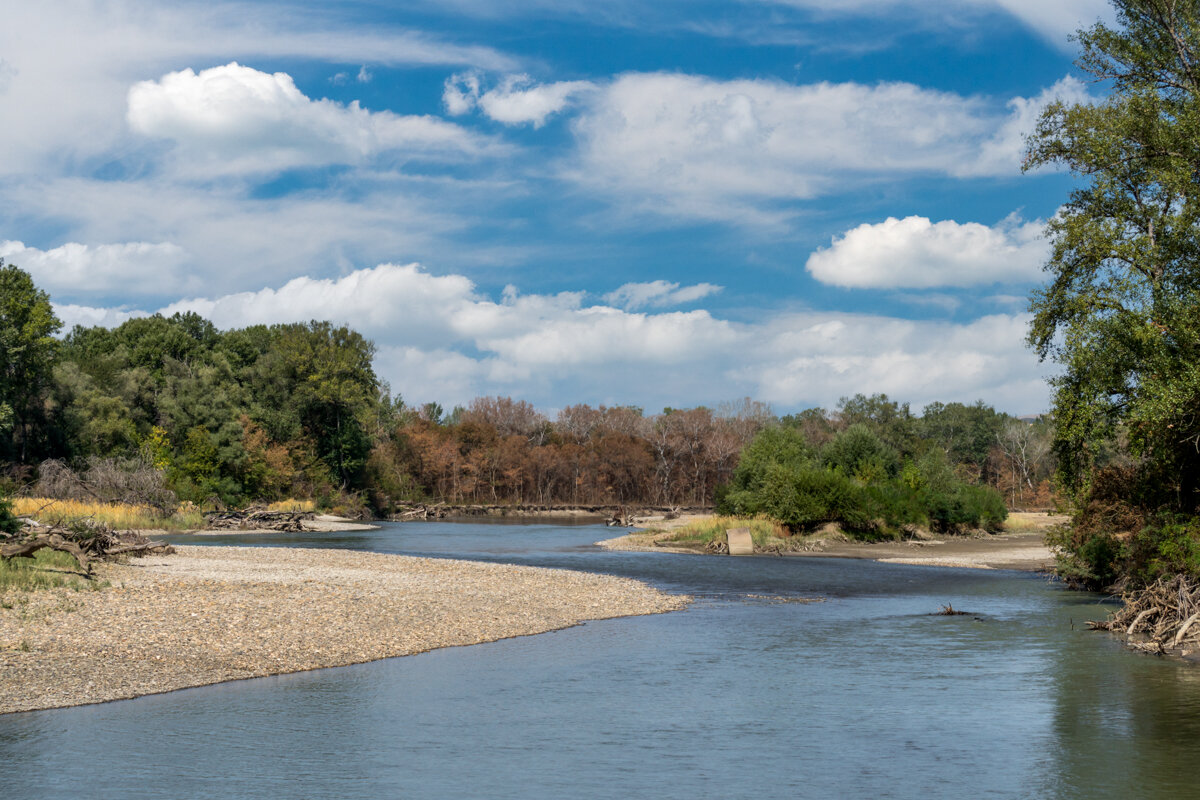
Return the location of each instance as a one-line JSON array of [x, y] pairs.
[[1119, 313], [27, 354]]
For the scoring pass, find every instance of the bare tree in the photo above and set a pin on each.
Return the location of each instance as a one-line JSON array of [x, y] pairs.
[[1025, 447]]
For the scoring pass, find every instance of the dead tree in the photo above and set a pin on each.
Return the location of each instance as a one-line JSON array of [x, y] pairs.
[[87, 543]]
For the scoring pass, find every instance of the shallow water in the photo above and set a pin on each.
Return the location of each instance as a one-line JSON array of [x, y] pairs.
[[863, 694]]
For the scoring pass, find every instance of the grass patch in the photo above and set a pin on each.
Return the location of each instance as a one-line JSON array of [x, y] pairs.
[[1031, 521], [48, 569], [119, 516], [292, 504], [764, 532]]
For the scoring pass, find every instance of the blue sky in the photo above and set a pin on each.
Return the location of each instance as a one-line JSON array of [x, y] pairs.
[[669, 203]]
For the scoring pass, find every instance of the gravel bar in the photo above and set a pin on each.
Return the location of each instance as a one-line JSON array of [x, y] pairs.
[[212, 614]]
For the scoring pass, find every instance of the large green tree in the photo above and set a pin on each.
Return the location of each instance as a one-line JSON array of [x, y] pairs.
[[333, 388], [27, 354], [1121, 312]]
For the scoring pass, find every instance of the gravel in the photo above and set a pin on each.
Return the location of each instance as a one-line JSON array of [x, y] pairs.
[[212, 614]]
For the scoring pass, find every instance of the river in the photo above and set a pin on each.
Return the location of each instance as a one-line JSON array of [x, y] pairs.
[[788, 678]]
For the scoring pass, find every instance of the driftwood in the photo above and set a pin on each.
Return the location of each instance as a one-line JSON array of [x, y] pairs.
[[86, 543], [285, 521], [1162, 615], [950, 611]]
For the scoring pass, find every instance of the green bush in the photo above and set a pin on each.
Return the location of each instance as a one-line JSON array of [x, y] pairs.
[[859, 483], [781, 446], [964, 506], [8, 521], [897, 504]]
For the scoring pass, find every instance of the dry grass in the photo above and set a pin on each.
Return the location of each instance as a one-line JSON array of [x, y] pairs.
[[120, 516], [1032, 521], [702, 531], [292, 504]]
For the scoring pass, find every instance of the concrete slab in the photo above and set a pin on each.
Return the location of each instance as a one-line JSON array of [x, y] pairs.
[[740, 542]]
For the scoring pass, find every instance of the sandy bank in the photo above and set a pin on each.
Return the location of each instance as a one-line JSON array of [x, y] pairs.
[[212, 614], [1022, 549]]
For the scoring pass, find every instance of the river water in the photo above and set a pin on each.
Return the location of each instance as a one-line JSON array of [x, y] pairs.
[[748, 694]]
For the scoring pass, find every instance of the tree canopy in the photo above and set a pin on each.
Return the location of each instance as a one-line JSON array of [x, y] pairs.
[[1122, 310], [27, 351]]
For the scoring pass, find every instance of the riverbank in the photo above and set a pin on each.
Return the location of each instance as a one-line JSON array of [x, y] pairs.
[[1022, 548], [533, 511], [211, 614], [320, 523]]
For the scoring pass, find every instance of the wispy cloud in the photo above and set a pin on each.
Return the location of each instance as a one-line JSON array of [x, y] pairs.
[[516, 100], [693, 146], [658, 294]]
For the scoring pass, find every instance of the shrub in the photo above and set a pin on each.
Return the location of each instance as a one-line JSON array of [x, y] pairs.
[[963, 506], [780, 446], [8, 521], [859, 483]]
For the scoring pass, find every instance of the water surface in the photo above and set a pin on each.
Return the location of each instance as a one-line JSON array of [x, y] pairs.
[[864, 694]]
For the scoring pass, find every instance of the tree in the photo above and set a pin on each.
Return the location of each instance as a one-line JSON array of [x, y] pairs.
[[333, 387], [27, 354], [1025, 448], [964, 433], [891, 421], [1122, 310]]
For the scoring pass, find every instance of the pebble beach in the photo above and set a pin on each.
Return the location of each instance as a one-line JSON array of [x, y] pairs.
[[210, 614]]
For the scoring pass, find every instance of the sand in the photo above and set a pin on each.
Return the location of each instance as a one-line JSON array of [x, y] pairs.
[[212, 614]]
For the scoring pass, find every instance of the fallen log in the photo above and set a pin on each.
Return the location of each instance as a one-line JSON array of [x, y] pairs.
[[87, 544], [47, 541], [284, 521]]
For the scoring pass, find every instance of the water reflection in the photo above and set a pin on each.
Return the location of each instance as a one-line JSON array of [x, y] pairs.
[[1124, 724]]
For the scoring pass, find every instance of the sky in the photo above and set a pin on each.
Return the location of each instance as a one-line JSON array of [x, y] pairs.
[[668, 203]]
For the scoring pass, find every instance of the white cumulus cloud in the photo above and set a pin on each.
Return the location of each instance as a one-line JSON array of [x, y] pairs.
[[440, 338], [915, 253], [241, 119], [88, 316], [135, 268]]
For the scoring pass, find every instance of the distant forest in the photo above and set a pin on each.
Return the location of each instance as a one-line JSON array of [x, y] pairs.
[[296, 410]]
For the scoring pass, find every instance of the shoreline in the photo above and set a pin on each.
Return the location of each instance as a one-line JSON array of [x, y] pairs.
[[1018, 550], [207, 615], [322, 523]]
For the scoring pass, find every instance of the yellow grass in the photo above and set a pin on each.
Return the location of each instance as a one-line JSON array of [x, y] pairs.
[[292, 505], [120, 516], [713, 528], [1030, 521]]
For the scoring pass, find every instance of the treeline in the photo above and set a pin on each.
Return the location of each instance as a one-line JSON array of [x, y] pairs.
[[296, 410]]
